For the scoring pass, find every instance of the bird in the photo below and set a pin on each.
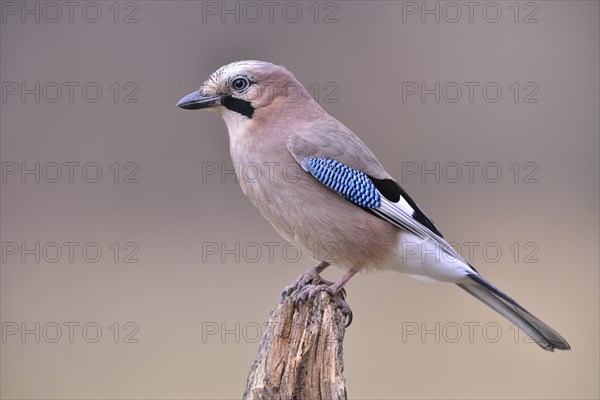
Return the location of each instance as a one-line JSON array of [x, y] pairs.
[[321, 188]]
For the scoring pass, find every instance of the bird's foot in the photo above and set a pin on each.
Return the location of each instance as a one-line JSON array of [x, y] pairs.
[[338, 296], [310, 283], [308, 278]]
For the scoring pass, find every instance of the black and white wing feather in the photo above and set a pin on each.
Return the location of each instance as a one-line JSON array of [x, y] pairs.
[[381, 197]]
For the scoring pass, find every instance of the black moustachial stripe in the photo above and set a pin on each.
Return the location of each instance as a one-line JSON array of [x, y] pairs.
[[240, 106]]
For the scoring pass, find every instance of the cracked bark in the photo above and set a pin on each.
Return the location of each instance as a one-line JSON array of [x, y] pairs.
[[300, 355]]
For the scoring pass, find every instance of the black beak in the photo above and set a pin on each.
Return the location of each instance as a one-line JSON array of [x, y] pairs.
[[195, 101]]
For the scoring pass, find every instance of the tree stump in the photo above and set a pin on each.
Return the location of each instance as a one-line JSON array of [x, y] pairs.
[[301, 353]]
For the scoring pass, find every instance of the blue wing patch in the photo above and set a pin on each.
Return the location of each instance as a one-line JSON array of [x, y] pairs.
[[365, 192], [354, 185]]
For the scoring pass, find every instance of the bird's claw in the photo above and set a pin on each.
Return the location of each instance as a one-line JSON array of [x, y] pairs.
[[308, 293], [340, 301], [307, 279], [310, 283]]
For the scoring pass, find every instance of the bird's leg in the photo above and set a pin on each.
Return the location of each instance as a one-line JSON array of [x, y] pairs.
[[336, 290], [310, 277]]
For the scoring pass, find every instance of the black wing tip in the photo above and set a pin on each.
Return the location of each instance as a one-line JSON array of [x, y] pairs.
[[392, 191]]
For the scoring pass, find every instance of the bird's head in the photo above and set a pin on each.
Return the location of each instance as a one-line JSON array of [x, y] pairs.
[[243, 90]]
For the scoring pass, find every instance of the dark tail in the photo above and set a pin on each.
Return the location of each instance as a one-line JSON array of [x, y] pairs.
[[545, 336]]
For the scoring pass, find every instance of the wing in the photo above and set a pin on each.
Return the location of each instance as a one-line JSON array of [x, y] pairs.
[[330, 140], [359, 188]]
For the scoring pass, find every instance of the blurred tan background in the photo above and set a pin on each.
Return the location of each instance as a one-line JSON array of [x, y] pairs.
[[184, 321]]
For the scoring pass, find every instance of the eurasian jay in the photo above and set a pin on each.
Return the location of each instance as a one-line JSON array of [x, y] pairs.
[[323, 189]]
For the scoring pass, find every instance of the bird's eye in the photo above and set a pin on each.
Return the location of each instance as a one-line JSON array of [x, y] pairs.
[[240, 84]]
